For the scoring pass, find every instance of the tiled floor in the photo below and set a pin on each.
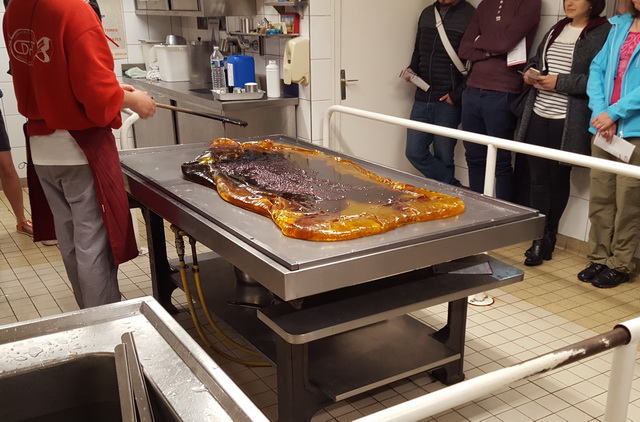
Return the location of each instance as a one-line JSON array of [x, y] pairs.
[[548, 310]]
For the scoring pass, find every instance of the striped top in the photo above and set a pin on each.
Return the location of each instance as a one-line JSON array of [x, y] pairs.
[[553, 104]]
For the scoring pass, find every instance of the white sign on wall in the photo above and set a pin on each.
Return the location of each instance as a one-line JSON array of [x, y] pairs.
[[113, 23]]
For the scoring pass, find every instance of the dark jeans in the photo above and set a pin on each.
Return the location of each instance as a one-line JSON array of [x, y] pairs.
[[487, 112], [439, 165], [550, 180]]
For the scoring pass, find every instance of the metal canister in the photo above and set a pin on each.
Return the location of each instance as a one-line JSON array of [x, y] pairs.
[[199, 66]]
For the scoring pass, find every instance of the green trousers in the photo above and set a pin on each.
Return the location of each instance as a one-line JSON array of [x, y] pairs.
[[614, 213]]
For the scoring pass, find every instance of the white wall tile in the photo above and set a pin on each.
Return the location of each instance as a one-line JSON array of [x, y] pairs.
[[321, 8], [272, 46], [14, 129], [321, 38], [580, 183], [9, 103], [552, 7], [19, 156], [575, 218], [318, 108], [322, 80], [4, 66], [128, 6], [159, 27], [136, 27], [303, 120]]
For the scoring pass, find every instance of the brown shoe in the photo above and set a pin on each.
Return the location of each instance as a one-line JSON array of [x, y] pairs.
[[26, 228]]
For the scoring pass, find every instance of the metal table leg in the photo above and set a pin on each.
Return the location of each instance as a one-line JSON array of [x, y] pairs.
[[453, 336], [160, 269], [298, 400]]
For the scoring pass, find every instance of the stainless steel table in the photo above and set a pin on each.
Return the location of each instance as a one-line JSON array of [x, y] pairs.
[[333, 298]]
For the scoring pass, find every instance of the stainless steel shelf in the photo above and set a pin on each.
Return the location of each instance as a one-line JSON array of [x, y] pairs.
[[296, 6], [260, 38]]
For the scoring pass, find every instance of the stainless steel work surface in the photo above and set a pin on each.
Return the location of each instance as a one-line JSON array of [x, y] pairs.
[[256, 245]]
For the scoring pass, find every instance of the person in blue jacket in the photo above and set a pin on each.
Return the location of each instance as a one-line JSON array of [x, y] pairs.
[[614, 99]]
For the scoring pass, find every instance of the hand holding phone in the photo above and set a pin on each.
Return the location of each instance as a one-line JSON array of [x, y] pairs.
[[532, 73]]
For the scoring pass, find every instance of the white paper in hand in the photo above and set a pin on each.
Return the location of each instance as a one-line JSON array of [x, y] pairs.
[[518, 54], [618, 147], [416, 80]]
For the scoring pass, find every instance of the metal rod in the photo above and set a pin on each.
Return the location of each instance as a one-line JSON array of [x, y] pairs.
[[489, 176], [222, 119], [475, 388], [535, 150]]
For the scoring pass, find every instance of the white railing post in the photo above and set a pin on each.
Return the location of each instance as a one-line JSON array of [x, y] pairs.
[[490, 170], [622, 370], [622, 367]]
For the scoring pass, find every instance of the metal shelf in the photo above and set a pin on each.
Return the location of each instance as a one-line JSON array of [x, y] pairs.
[[297, 6], [261, 38]]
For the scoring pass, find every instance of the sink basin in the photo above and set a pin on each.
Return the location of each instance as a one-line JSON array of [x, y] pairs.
[[63, 368], [81, 389]]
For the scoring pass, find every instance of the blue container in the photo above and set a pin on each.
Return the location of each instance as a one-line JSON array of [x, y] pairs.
[[240, 70]]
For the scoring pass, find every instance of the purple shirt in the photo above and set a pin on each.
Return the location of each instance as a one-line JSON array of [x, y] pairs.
[[496, 28]]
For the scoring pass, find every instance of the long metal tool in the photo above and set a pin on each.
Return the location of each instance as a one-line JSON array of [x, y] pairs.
[[222, 119]]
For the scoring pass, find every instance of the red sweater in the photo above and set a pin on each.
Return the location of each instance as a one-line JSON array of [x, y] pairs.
[[496, 27], [61, 65]]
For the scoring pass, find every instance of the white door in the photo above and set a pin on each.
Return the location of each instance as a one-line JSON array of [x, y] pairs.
[[375, 43]]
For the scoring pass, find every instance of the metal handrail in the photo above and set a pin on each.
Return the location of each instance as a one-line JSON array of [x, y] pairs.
[[623, 339], [492, 143]]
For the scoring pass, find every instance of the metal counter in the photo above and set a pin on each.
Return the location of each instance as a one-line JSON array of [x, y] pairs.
[[201, 95]]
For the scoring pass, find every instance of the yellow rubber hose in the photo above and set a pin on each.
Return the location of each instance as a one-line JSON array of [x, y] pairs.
[[179, 243], [195, 268]]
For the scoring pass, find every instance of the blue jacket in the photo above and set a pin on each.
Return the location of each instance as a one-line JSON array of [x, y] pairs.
[[626, 112]]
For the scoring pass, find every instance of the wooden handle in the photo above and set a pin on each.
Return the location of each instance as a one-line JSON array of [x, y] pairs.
[[222, 119]]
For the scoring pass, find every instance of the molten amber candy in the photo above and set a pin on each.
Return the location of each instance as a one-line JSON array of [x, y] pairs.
[[311, 195]]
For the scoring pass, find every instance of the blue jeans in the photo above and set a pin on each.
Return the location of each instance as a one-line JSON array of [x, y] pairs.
[[439, 165], [487, 112]]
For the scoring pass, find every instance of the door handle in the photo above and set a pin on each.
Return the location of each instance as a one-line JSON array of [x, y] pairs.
[[343, 84]]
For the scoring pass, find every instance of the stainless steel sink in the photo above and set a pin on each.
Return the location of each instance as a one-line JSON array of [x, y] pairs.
[[84, 388], [63, 368]]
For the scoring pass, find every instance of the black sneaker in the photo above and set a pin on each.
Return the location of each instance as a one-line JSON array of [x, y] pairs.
[[609, 278], [591, 271]]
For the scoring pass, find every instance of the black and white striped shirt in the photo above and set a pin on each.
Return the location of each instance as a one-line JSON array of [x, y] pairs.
[[552, 104]]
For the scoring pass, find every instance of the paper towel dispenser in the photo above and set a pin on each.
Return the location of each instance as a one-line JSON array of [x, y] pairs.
[[196, 7], [296, 61]]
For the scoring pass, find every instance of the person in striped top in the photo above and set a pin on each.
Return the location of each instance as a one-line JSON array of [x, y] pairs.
[[556, 112]]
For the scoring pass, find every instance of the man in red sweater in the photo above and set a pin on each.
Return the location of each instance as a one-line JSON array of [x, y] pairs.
[[495, 29], [65, 86]]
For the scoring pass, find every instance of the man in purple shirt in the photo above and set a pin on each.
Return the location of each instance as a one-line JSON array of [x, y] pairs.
[[495, 29]]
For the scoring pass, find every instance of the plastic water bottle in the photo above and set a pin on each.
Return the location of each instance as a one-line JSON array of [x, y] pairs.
[[217, 70], [273, 79]]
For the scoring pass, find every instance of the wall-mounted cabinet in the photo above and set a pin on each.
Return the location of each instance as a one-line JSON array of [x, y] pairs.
[[289, 6], [196, 7]]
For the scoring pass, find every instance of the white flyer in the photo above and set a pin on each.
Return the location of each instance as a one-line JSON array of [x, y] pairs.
[[415, 79], [618, 147], [518, 54]]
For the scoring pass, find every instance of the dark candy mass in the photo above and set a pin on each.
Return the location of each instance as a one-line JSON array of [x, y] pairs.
[[311, 195]]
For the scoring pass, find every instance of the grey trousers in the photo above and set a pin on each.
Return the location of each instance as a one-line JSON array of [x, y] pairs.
[[614, 213], [82, 238]]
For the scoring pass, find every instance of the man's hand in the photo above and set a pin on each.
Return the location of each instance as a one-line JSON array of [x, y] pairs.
[[406, 74], [446, 98], [139, 102]]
